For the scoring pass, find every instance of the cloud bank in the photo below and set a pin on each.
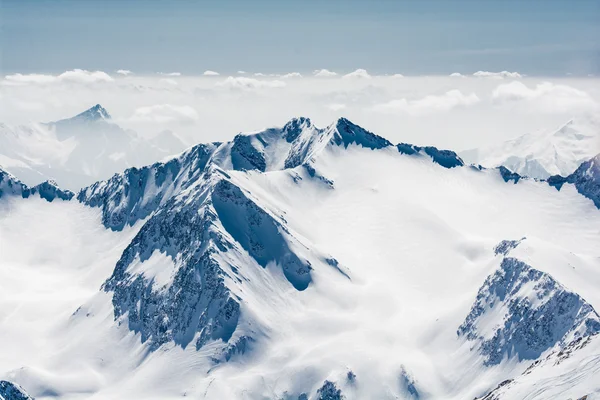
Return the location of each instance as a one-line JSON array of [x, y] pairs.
[[455, 112], [165, 113], [430, 104], [73, 76]]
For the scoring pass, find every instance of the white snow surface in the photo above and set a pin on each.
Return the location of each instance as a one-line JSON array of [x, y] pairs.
[[414, 241]]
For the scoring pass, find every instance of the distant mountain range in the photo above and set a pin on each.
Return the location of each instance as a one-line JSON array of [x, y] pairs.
[[80, 150], [542, 154], [303, 263]]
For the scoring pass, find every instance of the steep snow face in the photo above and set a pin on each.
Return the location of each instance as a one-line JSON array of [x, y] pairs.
[[542, 154], [79, 150], [135, 194], [217, 239], [522, 312], [11, 186]]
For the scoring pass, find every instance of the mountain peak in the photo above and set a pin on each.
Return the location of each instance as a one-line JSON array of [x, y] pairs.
[[293, 128], [94, 113]]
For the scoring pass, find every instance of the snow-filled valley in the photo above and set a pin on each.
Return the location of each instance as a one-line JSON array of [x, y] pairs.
[[304, 263]]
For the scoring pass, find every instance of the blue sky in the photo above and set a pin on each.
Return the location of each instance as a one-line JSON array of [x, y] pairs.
[[534, 37]]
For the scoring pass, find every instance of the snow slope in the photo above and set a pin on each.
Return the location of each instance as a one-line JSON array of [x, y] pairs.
[[359, 269], [79, 150], [542, 154]]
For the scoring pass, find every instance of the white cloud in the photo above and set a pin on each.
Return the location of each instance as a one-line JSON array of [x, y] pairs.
[[83, 76], [359, 73], [241, 72], [457, 75], [170, 73], [210, 73], [545, 97], [168, 81], [241, 82], [431, 103], [323, 73], [497, 75], [336, 106], [259, 74], [292, 75], [397, 76], [165, 113], [73, 76], [124, 72]]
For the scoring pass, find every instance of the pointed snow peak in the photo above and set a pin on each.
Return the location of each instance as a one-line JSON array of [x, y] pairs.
[[347, 132], [294, 127], [94, 113]]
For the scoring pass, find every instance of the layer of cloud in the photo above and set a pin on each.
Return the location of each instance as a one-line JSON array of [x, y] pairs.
[[210, 73], [73, 76], [324, 73], [359, 73], [545, 97], [124, 72], [168, 81], [456, 75], [244, 83], [431, 103], [252, 103], [497, 75], [292, 75], [170, 73], [336, 106], [165, 113]]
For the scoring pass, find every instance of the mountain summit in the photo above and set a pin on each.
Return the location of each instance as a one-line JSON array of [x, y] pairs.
[[542, 154], [94, 113]]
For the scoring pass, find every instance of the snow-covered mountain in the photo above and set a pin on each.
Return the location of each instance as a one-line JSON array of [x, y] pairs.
[[542, 154], [80, 150], [305, 263], [47, 190]]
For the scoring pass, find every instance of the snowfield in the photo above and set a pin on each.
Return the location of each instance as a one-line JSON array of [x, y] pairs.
[[304, 263]]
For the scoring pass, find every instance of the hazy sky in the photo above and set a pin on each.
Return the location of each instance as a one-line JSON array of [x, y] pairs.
[[534, 37]]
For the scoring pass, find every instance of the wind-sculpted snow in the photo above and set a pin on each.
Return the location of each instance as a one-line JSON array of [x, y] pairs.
[[48, 190], [586, 180], [258, 233], [445, 158], [136, 193], [12, 391], [522, 312]]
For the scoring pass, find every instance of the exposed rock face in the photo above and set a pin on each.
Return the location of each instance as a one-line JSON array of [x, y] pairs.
[[445, 158], [48, 190], [12, 391], [586, 180], [136, 193], [522, 312], [213, 233], [329, 391]]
